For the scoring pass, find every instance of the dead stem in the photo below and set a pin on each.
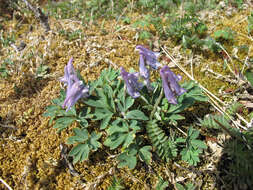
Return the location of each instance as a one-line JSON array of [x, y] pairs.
[[39, 15], [6, 185], [99, 179]]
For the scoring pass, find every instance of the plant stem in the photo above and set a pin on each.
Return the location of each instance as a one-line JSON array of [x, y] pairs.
[[156, 104]]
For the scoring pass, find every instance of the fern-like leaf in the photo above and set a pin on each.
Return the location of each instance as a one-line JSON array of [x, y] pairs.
[[209, 121], [165, 147]]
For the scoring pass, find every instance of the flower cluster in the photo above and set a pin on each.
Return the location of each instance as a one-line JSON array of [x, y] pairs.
[[149, 59], [75, 87]]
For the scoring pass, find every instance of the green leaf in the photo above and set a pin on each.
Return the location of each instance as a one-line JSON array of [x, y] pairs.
[[81, 135], [210, 122], [63, 123], [129, 103], [106, 121], [136, 114], [83, 122], [193, 147], [94, 103], [102, 113], [51, 111], [128, 139], [116, 184], [109, 93], [161, 184], [145, 154], [249, 76], [114, 140], [92, 142], [198, 144], [80, 152], [117, 127], [180, 187], [128, 160], [175, 117]]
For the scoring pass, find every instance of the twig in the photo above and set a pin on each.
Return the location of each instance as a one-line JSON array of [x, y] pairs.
[[192, 67], [6, 185], [189, 170], [171, 176], [99, 179], [8, 126], [72, 170], [181, 130], [223, 49], [39, 15]]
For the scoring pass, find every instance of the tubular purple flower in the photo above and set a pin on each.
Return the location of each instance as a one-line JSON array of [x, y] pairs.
[[69, 73], [170, 84], [144, 72], [132, 84], [150, 56], [74, 92], [75, 87]]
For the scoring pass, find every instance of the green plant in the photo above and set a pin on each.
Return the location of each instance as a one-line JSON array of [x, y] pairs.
[[116, 184], [5, 68], [4, 71], [236, 162], [142, 26], [62, 118], [161, 185], [85, 143], [132, 127], [189, 30], [226, 34], [66, 9], [72, 35], [250, 23], [193, 147], [6, 40], [42, 70], [188, 186]]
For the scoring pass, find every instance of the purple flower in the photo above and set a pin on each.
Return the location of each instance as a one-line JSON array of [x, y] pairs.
[[170, 84], [132, 84], [149, 56], [74, 92], [75, 87], [69, 73], [144, 73]]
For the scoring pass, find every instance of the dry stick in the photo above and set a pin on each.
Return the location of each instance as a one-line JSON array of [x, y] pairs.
[[192, 67], [6, 185], [100, 179], [124, 11], [209, 94], [70, 166], [171, 176], [39, 15]]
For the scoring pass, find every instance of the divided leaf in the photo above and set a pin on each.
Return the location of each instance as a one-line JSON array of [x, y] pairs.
[[136, 114]]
